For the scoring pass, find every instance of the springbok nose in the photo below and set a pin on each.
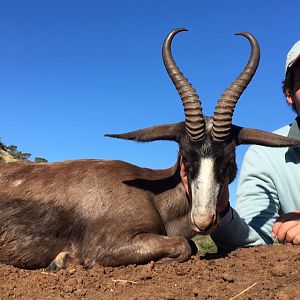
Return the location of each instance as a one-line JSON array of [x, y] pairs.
[[205, 222]]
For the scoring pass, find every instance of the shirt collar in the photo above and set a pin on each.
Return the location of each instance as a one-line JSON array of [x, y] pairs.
[[295, 129]]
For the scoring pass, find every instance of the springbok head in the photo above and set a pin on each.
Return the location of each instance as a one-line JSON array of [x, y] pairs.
[[207, 144]]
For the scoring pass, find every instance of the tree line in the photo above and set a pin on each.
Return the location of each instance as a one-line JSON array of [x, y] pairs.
[[17, 154]]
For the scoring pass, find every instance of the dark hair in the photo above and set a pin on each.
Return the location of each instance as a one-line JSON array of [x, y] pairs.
[[288, 82]]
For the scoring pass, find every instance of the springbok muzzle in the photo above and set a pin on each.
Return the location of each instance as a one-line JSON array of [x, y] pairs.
[[204, 223]]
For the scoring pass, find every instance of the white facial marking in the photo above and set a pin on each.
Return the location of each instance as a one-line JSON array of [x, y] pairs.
[[205, 190]]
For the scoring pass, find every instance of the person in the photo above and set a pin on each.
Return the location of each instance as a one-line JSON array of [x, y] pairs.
[[268, 195]]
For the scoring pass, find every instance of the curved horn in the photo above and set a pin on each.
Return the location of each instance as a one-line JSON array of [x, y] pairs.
[[224, 109], [194, 120]]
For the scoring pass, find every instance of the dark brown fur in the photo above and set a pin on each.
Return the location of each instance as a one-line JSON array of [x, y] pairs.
[[105, 212]]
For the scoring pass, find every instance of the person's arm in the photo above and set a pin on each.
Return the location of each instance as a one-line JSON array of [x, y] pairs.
[[257, 205]]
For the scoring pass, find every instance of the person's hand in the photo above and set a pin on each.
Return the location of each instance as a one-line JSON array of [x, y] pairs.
[[223, 200], [287, 228]]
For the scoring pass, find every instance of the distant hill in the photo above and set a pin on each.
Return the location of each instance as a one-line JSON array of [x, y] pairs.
[[11, 153], [5, 155]]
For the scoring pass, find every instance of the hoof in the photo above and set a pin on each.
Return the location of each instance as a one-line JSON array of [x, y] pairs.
[[59, 262], [52, 267]]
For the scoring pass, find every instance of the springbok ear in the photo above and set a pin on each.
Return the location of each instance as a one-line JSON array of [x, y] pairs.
[[260, 137], [169, 132]]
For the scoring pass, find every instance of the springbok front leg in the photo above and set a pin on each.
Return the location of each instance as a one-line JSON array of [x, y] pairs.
[[143, 248]]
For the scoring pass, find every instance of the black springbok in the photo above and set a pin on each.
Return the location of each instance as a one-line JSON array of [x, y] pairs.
[[114, 213]]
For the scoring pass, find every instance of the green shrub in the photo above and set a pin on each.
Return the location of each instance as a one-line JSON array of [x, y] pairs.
[[205, 244]]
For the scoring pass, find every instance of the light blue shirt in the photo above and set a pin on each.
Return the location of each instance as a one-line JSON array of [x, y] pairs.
[[269, 186]]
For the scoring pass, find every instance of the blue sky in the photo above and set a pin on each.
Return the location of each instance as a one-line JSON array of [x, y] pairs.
[[71, 71]]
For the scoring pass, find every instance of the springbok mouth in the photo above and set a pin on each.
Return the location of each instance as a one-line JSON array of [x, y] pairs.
[[206, 231]]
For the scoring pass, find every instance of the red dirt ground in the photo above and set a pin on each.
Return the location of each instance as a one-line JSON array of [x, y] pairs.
[[264, 272]]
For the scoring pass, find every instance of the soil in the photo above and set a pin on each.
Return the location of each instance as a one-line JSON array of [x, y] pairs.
[[263, 272]]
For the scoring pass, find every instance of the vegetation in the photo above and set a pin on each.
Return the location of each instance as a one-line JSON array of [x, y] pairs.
[[11, 153], [205, 244], [18, 155], [40, 159]]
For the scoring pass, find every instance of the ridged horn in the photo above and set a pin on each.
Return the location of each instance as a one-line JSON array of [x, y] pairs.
[[225, 107], [194, 120]]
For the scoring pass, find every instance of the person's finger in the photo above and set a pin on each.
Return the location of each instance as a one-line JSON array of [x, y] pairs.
[[296, 240], [275, 228], [283, 229], [292, 233], [284, 218]]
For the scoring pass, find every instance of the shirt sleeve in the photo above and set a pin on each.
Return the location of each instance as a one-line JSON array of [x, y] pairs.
[[257, 206]]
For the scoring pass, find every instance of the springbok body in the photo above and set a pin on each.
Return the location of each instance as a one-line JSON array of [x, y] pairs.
[[106, 212], [114, 213]]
